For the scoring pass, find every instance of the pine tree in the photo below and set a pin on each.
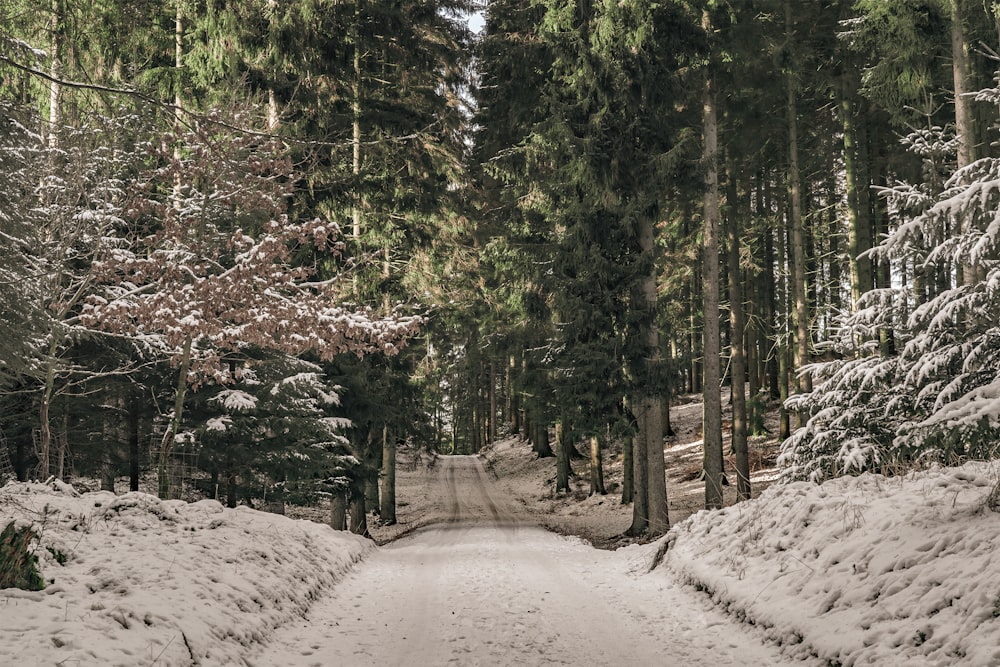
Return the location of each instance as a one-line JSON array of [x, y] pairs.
[[274, 432]]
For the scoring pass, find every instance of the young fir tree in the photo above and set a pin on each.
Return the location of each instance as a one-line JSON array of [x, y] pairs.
[[932, 401], [274, 433]]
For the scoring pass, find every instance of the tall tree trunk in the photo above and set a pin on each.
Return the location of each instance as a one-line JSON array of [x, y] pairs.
[[802, 382], [388, 504], [750, 342], [110, 423], [836, 301], [372, 465], [964, 121], [650, 482], [56, 23], [563, 468], [63, 440], [164, 468], [596, 467], [883, 272], [359, 514], [540, 440], [696, 350], [640, 481], [356, 121], [782, 349], [769, 340], [628, 488], [338, 510], [134, 417], [960, 73], [493, 403], [737, 324], [178, 114], [858, 235], [712, 412]]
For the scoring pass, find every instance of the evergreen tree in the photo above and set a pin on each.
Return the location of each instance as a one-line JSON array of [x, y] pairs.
[[20, 293], [274, 432], [932, 400]]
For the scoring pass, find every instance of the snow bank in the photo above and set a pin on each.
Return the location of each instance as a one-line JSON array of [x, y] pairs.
[[145, 581], [858, 570]]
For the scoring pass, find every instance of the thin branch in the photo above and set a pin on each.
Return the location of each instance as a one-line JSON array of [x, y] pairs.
[[173, 108]]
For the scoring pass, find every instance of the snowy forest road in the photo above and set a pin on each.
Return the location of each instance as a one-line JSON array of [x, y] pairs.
[[484, 588]]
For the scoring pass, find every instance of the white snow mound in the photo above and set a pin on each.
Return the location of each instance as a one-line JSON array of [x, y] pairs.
[[858, 570], [147, 581]]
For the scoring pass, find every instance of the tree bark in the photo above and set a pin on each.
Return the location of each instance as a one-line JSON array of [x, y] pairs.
[[858, 234], [964, 122], [492, 424], [540, 438], [356, 121], [372, 465], [649, 516], [737, 325], [63, 450], [656, 481], [712, 411], [802, 382], [174, 426], [960, 73], [640, 481], [596, 467], [388, 502], [338, 511], [110, 423], [359, 513], [627, 470], [134, 417], [563, 468], [52, 132]]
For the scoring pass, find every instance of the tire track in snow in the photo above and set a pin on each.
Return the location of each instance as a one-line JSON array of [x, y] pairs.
[[483, 588]]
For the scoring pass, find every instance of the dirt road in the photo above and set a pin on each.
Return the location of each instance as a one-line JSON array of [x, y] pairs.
[[483, 588]]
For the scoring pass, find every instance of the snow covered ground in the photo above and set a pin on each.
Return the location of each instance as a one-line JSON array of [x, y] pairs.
[[483, 588], [151, 582], [860, 570], [867, 570]]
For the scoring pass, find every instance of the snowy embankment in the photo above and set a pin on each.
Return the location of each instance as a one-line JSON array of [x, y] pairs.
[[859, 570], [146, 581]]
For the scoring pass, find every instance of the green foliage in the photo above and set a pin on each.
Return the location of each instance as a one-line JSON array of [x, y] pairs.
[[57, 555], [907, 48], [756, 407], [18, 565], [275, 429], [577, 151]]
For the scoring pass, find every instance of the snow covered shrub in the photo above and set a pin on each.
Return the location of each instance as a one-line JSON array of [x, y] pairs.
[[18, 564], [275, 431], [939, 397]]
